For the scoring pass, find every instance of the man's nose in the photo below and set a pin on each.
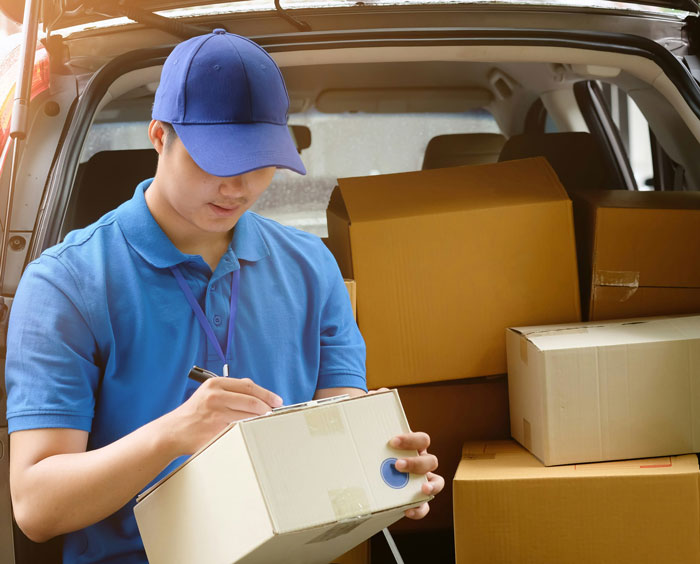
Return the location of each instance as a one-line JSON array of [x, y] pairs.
[[231, 185]]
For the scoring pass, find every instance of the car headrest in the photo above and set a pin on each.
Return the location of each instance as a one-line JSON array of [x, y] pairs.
[[107, 179], [574, 156], [462, 149]]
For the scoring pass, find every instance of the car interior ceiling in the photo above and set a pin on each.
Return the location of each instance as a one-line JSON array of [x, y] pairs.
[[403, 87]]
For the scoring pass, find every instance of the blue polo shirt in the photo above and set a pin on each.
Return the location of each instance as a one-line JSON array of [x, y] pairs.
[[101, 337]]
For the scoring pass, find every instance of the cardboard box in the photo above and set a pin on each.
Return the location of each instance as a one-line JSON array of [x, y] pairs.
[[510, 508], [639, 252], [302, 485], [607, 390], [451, 413], [446, 259], [352, 291]]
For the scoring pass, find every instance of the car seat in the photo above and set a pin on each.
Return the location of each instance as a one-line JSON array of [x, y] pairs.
[[462, 149], [577, 159], [106, 180]]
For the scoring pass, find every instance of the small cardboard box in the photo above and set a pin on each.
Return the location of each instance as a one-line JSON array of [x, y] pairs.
[[639, 252], [607, 390], [302, 485], [446, 259], [511, 508]]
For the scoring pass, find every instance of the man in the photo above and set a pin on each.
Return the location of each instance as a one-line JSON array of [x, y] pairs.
[[106, 325]]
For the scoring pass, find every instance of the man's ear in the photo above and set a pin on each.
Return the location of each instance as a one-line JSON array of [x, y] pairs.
[[156, 134]]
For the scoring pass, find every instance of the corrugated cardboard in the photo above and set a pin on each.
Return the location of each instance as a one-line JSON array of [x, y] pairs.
[[361, 554], [446, 259], [451, 413], [352, 290], [509, 508], [606, 390], [639, 252], [302, 485]]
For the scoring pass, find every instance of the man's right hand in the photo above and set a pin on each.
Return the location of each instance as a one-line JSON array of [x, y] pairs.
[[213, 406]]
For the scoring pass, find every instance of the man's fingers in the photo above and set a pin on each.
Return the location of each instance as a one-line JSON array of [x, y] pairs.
[[434, 485], [246, 404], [417, 464], [246, 386], [411, 441], [417, 512]]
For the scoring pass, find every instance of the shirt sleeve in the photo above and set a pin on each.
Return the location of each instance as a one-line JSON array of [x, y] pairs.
[[343, 352], [51, 370]]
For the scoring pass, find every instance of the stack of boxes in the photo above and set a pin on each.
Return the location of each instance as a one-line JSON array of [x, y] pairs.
[[445, 262]]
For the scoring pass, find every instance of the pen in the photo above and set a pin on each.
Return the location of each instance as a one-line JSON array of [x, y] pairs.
[[200, 374]]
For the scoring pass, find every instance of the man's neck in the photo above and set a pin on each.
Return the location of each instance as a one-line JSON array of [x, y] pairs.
[[186, 237]]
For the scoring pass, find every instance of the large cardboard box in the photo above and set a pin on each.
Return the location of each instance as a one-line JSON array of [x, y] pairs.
[[446, 259], [608, 390], [302, 485], [639, 252], [509, 508]]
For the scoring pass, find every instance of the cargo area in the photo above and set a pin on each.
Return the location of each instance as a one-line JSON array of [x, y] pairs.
[[530, 291]]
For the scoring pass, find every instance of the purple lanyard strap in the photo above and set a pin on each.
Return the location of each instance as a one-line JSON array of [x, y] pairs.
[[203, 321]]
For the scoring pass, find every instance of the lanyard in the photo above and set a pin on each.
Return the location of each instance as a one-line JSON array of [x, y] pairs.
[[203, 321]]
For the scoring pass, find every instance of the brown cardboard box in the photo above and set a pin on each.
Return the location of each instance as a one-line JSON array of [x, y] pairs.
[[446, 259], [352, 291], [639, 252], [452, 413], [509, 508]]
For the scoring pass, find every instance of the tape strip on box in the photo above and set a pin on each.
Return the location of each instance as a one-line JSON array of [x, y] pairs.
[[349, 502], [324, 421]]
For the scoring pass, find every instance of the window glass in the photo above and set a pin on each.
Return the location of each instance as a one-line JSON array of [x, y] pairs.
[[634, 132], [356, 144], [343, 145]]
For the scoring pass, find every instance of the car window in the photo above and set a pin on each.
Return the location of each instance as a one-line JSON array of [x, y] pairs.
[[634, 133], [342, 145], [356, 144]]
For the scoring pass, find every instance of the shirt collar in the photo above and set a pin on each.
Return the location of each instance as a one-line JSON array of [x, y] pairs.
[[149, 240], [248, 243]]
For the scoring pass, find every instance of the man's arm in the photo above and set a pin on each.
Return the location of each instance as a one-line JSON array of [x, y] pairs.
[[58, 487]]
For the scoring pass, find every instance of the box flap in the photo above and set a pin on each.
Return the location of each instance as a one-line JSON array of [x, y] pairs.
[[612, 333], [507, 460], [640, 200], [506, 184]]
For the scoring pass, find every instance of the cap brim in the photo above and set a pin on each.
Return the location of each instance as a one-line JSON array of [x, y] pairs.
[[230, 149]]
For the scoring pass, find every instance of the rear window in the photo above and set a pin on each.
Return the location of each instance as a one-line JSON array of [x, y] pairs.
[[342, 145], [356, 144]]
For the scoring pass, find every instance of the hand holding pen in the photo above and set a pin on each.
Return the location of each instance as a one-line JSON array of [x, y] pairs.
[[214, 405]]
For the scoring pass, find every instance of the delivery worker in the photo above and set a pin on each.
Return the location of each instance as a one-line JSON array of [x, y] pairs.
[[106, 325]]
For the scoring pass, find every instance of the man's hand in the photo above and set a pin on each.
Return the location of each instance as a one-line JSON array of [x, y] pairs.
[[424, 463], [213, 406]]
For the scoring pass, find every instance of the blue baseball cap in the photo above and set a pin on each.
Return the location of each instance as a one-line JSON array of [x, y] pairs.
[[226, 99]]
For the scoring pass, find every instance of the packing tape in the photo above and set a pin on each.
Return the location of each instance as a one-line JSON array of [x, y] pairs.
[[349, 502], [626, 279], [326, 420]]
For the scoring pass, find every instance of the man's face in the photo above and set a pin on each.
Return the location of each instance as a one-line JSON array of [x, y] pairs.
[[211, 204]]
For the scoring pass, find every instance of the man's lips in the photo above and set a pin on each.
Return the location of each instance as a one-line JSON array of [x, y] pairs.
[[224, 211]]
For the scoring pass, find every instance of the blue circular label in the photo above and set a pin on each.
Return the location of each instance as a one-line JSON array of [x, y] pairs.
[[391, 476]]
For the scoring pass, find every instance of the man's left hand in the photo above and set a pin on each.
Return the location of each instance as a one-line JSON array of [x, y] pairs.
[[424, 463]]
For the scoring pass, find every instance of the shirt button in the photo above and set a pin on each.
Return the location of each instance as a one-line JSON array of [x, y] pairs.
[[213, 287], [217, 320]]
